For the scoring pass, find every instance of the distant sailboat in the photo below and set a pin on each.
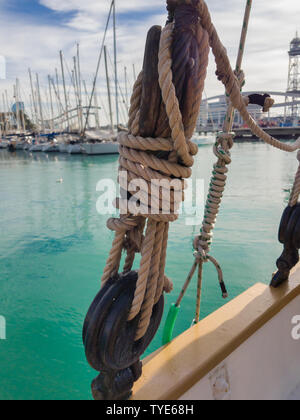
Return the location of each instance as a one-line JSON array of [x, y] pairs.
[[100, 142]]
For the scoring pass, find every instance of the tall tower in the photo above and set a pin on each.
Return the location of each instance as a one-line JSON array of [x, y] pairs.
[[294, 78]]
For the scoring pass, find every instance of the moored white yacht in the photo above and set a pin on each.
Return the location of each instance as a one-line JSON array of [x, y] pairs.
[[63, 147], [101, 148], [21, 144], [74, 148], [4, 144], [100, 143], [37, 145], [51, 147], [204, 140]]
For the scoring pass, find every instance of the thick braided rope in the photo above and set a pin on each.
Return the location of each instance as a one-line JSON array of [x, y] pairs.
[[169, 95], [216, 190], [152, 282], [120, 226], [228, 78], [135, 103], [184, 151], [136, 161], [203, 40], [113, 262], [147, 251]]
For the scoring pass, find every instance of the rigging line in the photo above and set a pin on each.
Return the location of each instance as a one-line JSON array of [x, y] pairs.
[[209, 111], [73, 85], [103, 106], [101, 101], [98, 64], [47, 104], [27, 102], [124, 103], [25, 96], [57, 96]]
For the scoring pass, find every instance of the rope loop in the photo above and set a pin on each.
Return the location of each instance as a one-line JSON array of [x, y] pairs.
[[222, 146], [241, 77], [201, 255]]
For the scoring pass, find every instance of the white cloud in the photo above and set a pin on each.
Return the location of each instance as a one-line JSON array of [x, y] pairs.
[[27, 42]]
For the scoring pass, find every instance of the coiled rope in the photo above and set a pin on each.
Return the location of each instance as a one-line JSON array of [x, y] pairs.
[[182, 65], [138, 159]]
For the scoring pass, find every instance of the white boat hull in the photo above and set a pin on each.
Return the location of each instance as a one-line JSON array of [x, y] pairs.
[[27, 146], [204, 140], [50, 148], [20, 146], [36, 148], [104, 148], [4, 144], [74, 149], [63, 148]]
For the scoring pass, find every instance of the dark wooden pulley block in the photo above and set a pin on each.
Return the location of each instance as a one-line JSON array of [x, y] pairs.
[[109, 339], [289, 236]]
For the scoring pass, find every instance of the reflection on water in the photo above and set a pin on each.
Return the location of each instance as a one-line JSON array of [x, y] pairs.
[[53, 247]]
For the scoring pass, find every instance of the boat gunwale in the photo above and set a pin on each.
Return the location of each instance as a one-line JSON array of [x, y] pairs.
[[174, 369]]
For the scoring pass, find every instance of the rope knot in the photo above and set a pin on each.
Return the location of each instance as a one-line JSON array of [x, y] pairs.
[[226, 140], [269, 102], [187, 18], [241, 77], [201, 255], [222, 146]]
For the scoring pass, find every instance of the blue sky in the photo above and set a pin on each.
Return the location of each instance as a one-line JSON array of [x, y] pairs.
[[33, 31], [33, 10]]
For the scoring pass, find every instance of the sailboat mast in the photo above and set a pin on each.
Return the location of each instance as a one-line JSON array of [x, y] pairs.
[[86, 100], [96, 109], [134, 72], [65, 90], [21, 110], [32, 108], [51, 103], [98, 66], [9, 110], [76, 91], [40, 102], [79, 85], [108, 90], [17, 107], [126, 87], [60, 106], [4, 116], [116, 65], [35, 111]]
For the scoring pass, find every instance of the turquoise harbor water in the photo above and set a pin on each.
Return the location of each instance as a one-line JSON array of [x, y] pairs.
[[53, 246]]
